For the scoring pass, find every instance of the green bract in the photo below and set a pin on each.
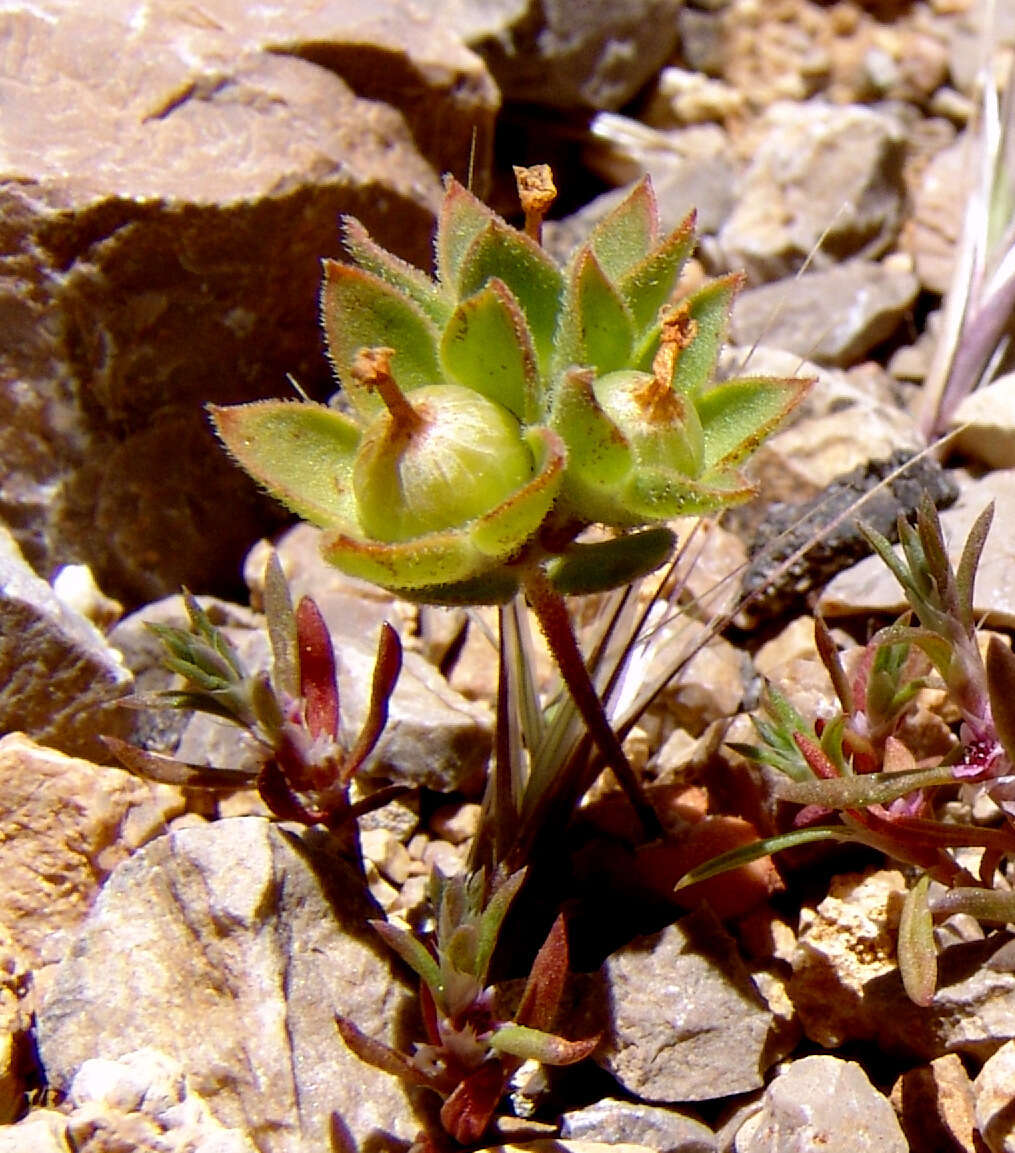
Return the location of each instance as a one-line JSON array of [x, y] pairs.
[[495, 412]]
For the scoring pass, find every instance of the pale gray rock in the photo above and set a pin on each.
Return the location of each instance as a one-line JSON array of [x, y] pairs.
[[229, 947], [591, 55], [613, 1121], [59, 679], [870, 587], [687, 1023], [819, 171], [825, 1103], [834, 316], [171, 178]]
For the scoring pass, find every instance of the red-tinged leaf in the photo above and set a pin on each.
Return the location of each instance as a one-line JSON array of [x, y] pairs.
[[466, 1114], [545, 986], [1001, 685], [278, 794], [828, 651], [387, 666], [380, 1055], [526, 1044], [169, 771], [318, 680], [816, 757]]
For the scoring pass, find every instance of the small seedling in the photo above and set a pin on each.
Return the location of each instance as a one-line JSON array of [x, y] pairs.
[[854, 776], [472, 1048], [293, 715]]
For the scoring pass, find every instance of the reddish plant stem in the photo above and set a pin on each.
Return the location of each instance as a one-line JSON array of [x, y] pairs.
[[555, 622]]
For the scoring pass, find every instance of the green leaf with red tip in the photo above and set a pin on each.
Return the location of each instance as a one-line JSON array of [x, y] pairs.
[[916, 950], [739, 414], [534, 1045], [487, 347], [650, 284], [462, 218], [360, 310], [1001, 686], [596, 567], [507, 527], [596, 330], [531, 276], [628, 233], [401, 275], [301, 453], [435, 559]]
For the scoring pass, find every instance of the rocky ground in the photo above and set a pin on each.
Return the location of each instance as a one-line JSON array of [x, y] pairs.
[[171, 176]]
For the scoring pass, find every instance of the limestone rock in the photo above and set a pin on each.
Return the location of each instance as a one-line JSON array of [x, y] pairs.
[[566, 55], [171, 179], [64, 825], [614, 1122], [789, 200], [847, 941], [995, 1101], [833, 316], [986, 422], [229, 948], [935, 1106], [848, 419], [687, 1023], [822, 1102], [59, 678], [931, 234], [143, 1102], [42, 1131], [870, 587]]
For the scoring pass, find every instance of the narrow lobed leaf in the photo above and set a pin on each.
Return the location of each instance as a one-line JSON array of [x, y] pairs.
[[387, 668], [534, 1045], [414, 953], [492, 919]]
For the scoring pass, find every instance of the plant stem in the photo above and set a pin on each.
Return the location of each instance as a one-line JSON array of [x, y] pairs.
[[555, 622]]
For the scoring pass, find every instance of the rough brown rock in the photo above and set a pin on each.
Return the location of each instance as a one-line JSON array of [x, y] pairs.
[[64, 825], [171, 177]]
